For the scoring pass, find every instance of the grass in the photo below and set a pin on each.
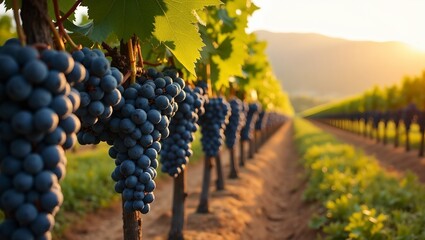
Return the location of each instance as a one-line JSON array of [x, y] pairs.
[[360, 200]]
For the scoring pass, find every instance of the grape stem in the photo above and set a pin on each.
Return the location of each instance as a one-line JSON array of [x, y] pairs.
[[67, 14], [139, 54], [152, 64], [132, 61], [126, 77], [71, 42], [57, 15], [57, 37], [62, 31], [19, 29], [208, 76]]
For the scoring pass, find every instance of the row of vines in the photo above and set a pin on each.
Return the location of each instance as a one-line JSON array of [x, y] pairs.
[[379, 113], [142, 77]]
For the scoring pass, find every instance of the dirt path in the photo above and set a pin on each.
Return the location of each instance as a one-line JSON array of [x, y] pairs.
[[393, 159], [264, 203]]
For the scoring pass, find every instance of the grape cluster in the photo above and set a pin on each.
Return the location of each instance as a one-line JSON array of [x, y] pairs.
[[98, 92], [251, 118], [236, 122], [274, 120], [176, 150], [138, 123], [262, 118], [213, 123], [36, 125]]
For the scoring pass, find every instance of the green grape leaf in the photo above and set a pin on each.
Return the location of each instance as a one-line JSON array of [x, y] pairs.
[[178, 30], [82, 39], [209, 48], [124, 18], [225, 48], [83, 29], [228, 23], [171, 22]]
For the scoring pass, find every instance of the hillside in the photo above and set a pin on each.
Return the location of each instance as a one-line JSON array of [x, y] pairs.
[[319, 66]]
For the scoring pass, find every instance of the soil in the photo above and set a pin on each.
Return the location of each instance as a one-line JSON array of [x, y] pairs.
[[264, 203], [393, 159]]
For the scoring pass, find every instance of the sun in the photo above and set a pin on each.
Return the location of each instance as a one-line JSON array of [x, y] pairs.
[[417, 46]]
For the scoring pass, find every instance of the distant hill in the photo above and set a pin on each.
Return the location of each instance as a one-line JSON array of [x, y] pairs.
[[319, 66]]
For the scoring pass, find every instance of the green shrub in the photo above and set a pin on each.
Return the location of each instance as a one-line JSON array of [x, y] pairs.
[[360, 199]]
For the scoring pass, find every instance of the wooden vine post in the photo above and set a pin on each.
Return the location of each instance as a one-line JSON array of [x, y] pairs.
[[132, 224], [233, 174], [178, 213], [421, 122], [220, 176], [242, 154], [233, 165], [397, 128], [203, 206]]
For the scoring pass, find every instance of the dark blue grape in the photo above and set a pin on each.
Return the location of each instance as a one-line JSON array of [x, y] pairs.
[[161, 102], [63, 62], [22, 122], [100, 66], [26, 213], [44, 181], [33, 163], [52, 155], [7, 227], [23, 182], [78, 73], [45, 120], [128, 194], [62, 106], [127, 168], [131, 181], [20, 148], [35, 71], [22, 234], [149, 198], [18, 88], [55, 82], [49, 201], [8, 67], [43, 222], [39, 98], [12, 199], [26, 54]]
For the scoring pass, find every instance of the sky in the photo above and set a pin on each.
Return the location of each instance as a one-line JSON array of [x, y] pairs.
[[376, 20]]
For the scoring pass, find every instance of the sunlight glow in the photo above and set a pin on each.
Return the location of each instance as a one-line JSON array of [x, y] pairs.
[[378, 20]]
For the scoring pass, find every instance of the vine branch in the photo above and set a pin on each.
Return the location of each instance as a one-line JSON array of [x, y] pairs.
[[56, 36], [70, 11], [19, 29], [57, 15], [132, 60], [59, 24]]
